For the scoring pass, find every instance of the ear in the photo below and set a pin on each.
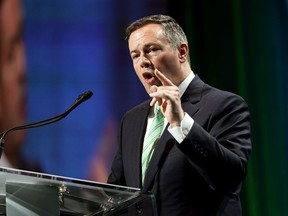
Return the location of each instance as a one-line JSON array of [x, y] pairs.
[[183, 52]]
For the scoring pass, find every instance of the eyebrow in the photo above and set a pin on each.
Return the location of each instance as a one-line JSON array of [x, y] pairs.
[[145, 46]]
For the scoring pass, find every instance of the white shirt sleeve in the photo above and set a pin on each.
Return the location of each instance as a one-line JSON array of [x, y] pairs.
[[179, 133]]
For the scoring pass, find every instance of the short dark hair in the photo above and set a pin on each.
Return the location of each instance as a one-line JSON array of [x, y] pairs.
[[172, 30]]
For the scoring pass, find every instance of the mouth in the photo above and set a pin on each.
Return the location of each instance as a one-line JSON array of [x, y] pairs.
[[149, 78]]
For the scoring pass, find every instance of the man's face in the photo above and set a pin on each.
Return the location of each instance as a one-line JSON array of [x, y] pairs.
[[149, 49], [12, 67]]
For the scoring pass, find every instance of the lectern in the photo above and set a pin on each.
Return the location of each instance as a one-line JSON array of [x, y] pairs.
[[30, 193]]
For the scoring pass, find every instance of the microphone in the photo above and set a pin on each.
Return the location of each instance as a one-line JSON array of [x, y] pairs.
[[80, 99]]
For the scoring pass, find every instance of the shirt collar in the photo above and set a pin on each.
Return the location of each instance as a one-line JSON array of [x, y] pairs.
[[184, 85]]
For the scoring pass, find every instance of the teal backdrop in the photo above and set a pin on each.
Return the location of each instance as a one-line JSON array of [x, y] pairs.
[[235, 45]]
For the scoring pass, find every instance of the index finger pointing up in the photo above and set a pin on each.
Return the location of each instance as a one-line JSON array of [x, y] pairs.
[[163, 79]]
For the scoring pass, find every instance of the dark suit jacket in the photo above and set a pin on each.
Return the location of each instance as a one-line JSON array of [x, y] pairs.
[[202, 175]]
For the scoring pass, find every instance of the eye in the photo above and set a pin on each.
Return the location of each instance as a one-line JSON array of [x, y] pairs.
[[152, 49], [134, 56]]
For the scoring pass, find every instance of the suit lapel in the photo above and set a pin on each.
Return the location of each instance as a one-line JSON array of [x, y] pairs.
[[193, 92], [136, 148]]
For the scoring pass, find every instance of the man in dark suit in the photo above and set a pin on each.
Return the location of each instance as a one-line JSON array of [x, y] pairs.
[[199, 162]]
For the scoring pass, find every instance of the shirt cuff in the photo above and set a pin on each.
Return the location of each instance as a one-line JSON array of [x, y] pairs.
[[179, 133]]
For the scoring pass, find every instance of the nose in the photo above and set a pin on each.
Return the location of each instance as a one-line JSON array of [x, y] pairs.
[[145, 61]]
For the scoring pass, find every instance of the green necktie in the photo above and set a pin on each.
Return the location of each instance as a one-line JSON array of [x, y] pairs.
[[153, 135]]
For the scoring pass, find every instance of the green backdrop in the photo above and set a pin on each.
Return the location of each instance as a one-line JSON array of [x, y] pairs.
[[241, 46]]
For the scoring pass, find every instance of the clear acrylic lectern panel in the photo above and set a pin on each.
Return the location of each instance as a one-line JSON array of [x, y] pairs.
[[31, 193]]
